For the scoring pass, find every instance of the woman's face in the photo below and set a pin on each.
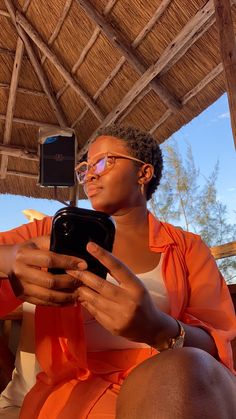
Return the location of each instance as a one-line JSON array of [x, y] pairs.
[[118, 189]]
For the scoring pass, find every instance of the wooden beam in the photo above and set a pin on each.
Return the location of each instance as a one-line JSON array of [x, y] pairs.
[[26, 5], [191, 94], [135, 102], [129, 53], [101, 89], [4, 13], [109, 6], [203, 83], [33, 34], [194, 28], [22, 174], [11, 103], [162, 7], [160, 121], [30, 122], [228, 53], [38, 69], [24, 90], [59, 25], [19, 152], [224, 250], [81, 59], [86, 50], [154, 19]]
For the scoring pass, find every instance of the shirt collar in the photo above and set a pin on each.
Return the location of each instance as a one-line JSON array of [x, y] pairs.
[[159, 238]]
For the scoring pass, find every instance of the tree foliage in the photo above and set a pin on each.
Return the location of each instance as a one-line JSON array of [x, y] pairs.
[[189, 200]]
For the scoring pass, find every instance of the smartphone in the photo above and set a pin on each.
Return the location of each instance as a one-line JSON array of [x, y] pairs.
[[73, 228]]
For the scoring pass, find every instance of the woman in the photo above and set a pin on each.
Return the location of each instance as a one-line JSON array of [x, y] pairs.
[[103, 355]]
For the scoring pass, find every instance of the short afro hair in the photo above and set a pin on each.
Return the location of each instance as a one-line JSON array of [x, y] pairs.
[[141, 145]]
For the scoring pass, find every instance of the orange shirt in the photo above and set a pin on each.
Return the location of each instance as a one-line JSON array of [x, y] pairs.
[[198, 296]]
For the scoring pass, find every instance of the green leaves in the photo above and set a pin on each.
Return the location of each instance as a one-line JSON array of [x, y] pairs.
[[186, 198]]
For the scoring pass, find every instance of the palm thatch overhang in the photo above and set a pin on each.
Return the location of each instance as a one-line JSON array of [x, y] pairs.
[[84, 64]]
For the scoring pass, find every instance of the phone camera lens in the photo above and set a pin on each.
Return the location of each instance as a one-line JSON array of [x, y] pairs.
[[66, 227]]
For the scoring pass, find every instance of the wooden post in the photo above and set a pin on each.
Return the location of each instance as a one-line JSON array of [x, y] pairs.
[[228, 53]]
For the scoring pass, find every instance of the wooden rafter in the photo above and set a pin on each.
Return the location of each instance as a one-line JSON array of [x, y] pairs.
[[224, 250], [22, 174], [24, 90], [19, 152], [148, 27], [4, 13], [128, 52], [58, 27], [11, 103], [101, 89], [109, 6], [186, 37], [136, 102], [86, 49], [26, 5], [160, 10], [192, 93], [228, 53], [38, 68], [30, 122], [81, 59], [33, 34]]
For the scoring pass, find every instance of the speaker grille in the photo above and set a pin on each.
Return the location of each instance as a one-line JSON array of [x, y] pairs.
[[57, 161]]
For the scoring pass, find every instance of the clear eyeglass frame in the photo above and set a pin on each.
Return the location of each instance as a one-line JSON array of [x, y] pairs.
[[103, 164]]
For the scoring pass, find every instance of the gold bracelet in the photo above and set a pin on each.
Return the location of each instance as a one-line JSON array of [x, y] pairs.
[[173, 343]]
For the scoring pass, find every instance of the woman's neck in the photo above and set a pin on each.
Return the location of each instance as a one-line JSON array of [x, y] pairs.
[[133, 220]]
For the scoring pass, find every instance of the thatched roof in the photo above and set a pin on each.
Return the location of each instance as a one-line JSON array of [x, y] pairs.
[[153, 64]]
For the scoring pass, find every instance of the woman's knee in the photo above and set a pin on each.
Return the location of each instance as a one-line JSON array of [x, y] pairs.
[[177, 374]]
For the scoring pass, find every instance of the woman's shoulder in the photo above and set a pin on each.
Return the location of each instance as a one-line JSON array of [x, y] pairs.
[[183, 239], [27, 231]]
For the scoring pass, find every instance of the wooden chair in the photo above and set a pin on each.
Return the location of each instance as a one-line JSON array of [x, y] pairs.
[[7, 353], [220, 252]]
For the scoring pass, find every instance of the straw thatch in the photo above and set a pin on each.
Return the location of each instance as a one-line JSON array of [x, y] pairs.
[[84, 64]]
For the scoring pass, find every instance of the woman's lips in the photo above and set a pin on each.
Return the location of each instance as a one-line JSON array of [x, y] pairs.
[[92, 190]]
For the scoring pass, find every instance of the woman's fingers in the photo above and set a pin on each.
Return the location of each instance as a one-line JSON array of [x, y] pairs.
[[47, 280], [45, 259], [48, 296], [93, 282], [116, 268]]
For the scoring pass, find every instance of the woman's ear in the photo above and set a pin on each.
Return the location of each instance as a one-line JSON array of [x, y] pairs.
[[145, 174]]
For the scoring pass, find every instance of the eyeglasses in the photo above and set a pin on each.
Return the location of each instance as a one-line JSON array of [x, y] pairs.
[[103, 164]]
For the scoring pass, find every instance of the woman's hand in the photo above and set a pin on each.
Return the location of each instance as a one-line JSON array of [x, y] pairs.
[[125, 309], [30, 283]]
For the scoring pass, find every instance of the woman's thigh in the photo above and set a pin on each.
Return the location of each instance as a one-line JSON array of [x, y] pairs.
[[182, 383]]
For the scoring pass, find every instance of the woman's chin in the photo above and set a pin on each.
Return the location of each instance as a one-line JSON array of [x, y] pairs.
[[99, 205]]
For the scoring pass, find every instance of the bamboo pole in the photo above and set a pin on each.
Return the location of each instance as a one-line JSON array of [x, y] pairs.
[[228, 53], [34, 35], [30, 122], [11, 103], [19, 152], [37, 67], [129, 52], [192, 31]]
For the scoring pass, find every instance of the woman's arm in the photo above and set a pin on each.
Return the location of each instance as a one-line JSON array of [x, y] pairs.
[[25, 258]]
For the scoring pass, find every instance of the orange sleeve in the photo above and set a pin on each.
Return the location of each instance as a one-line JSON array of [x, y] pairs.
[[8, 301], [210, 305]]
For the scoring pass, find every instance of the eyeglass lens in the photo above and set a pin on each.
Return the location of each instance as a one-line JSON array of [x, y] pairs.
[[97, 168]]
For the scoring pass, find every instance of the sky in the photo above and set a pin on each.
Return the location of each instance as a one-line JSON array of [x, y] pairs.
[[211, 139]]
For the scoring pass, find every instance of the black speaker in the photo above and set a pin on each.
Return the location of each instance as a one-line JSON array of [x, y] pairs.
[[57, 161]]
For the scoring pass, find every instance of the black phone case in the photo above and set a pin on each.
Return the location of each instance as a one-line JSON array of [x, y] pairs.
[[73, 228]]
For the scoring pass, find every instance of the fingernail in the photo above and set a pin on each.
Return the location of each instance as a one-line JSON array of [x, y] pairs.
[[92, 247], [82, 265]]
